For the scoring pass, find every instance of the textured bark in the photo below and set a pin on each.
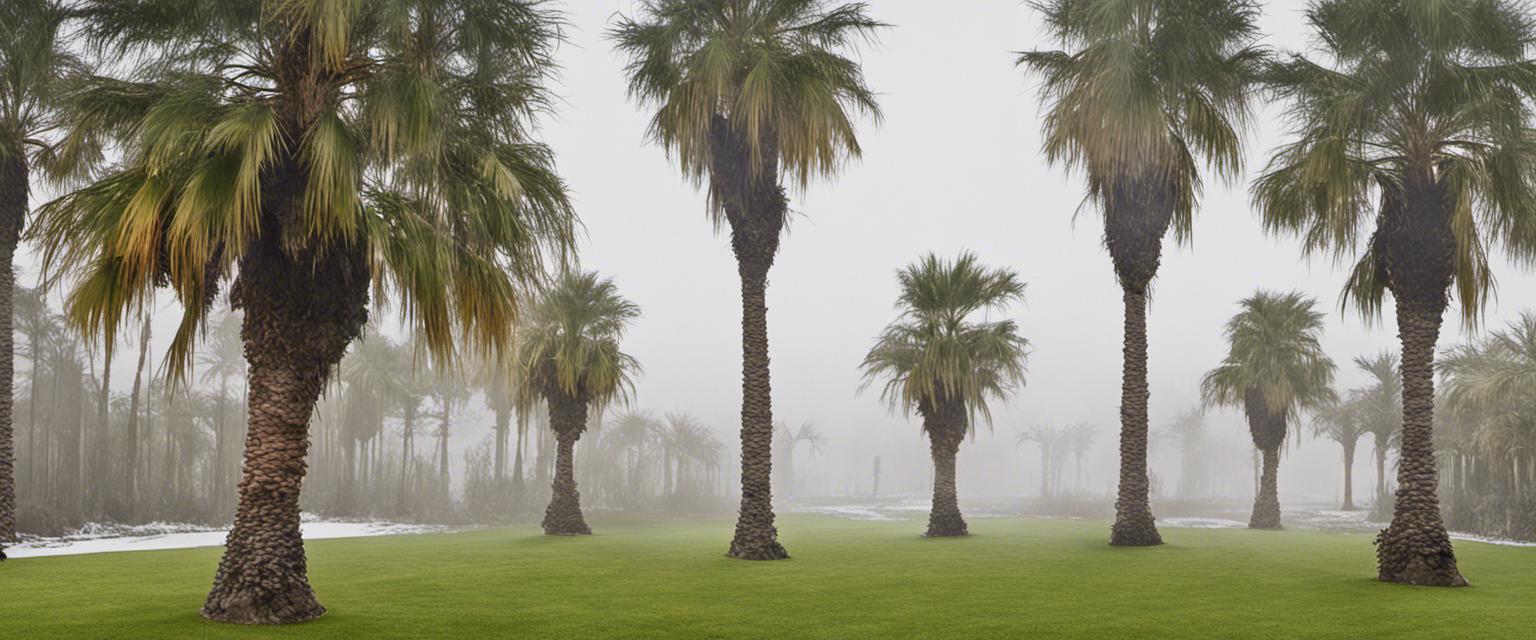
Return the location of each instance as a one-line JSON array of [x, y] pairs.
[[945, 423], [754, 206], [1415, 548], [1134, 525], [1268, 429], [13, 211], [1417, 248], [302, 309], [568, 419]]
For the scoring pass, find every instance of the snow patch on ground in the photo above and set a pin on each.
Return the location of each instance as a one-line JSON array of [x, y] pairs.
[[1485, 540], [107, 538], [1200, 523]]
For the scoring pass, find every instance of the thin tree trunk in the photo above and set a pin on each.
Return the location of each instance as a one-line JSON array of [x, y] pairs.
[[503, 422], [13, 210], [1381, 471], [100, 463], [1134, 525], [1349, 477], [1415, 548], [756, 537], [407, 438], [131, 477], [945, 425], [567, 418]]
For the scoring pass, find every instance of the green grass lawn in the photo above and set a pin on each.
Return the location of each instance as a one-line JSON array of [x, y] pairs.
[[1011, 578]]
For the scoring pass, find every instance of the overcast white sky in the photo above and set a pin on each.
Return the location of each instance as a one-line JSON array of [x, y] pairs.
[[954, 166]]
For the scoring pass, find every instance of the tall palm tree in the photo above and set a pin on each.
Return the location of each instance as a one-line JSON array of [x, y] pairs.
[[1188, 430], [1053, 443], [1147, 90], [300, 152], [1340, 422], [36, 69], [570, 358], [1275, 368], [746, 93], [1416, 121], [939, 360]]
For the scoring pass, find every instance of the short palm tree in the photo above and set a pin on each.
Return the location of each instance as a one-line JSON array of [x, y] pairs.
[[748, 92], [1340, 422], [301, 152], [1416, 123], [36, 69], [789, 443], [940, 360], [1148, 90], [569, 357], [1275, 368]]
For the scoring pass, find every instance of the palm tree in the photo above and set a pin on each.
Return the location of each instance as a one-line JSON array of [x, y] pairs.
[[1081, 442], [789, 441], [1274, 369], [1488, 384], [747, 92], [36, 68], [300, 152], [695, 449], [570, 358], [1188, 430], [1053, 443], [1340, 422], [1417, 120], [223, 361], [939, 361], [1380, 405], [1149, 88]]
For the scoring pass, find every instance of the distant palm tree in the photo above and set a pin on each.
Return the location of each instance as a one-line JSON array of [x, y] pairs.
[[222, 361], [1490, 381], [1150, 89], [696, 450], [1275, 368], [1417, 121], [1380, 407], [1053, 443], [940, 361], [1081, 442], [1188, 430], [789, 442], [747, 92], [36, 69], [1340, 422], [302, 153], [570, 358]]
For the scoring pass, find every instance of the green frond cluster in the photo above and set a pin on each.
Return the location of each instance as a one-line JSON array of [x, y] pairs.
[[570, 343], [1146, 91], [399, 126], [1275, 351], [38, 71], [936, 352], [775, 71], [1410, 93], [1491, 379]]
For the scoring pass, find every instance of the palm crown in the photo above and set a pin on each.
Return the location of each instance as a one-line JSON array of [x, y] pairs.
[[1275, 353], [570, 344], [1419, 105], [770, 70], [395, 128], [935, 352], [1148, 90]]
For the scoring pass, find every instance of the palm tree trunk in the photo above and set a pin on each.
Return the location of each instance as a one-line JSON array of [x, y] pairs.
[[301, 312], [1381, 471], [567, 417], [1349, 477], [1134, 525], [756, 537], [1415, 548], [13, 210], [1266, 507], [946, 429], [131, 483], [503, 422]]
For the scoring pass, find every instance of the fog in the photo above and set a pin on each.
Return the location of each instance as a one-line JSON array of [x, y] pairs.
[[955, 165]]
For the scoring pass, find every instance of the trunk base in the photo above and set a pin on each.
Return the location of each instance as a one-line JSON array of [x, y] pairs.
[[565, 520], [757, 547], [1265, 516], [1134, 530], [946, 525], [1418, 556], [251, 604]]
